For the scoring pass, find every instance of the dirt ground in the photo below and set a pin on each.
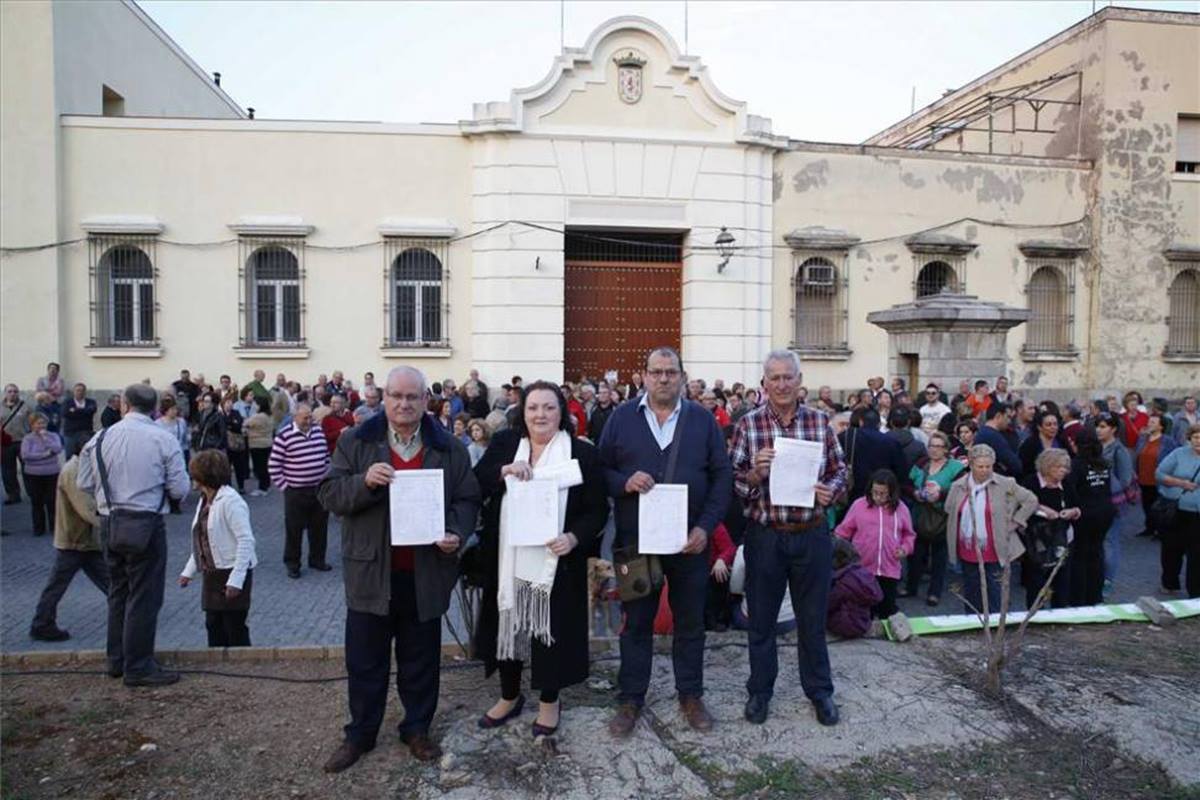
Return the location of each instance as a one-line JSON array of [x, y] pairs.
[[1102, 711]]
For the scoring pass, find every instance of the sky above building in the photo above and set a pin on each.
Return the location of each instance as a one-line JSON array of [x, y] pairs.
[[836, 72]]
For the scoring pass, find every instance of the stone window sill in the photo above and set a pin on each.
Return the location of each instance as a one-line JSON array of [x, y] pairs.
[[823, 354], [416, 352], [125, 352], [271, 352], [1050, 355], [1181, 358]]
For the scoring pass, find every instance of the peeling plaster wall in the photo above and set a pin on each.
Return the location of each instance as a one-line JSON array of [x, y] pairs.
[[1140, 71], [1152, 74], [882, 194]]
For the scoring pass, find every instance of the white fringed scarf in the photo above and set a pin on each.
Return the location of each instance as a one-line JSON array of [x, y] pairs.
[[527, 573]]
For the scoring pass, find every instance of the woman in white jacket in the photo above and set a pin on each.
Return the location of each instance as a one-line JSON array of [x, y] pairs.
[[222, 551]]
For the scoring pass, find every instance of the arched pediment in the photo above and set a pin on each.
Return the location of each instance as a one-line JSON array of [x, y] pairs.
[[629, 78]]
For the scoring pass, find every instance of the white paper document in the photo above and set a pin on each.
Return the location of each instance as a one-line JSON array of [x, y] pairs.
[[532, 509], [566, 474], [795, 472], [662, 519], [417, 506]]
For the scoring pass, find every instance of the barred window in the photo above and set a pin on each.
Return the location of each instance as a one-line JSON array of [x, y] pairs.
[[416, 308], [820, 313], [273, 293], [1183, 324], [122, 286], [1050, 293], [934, 277]]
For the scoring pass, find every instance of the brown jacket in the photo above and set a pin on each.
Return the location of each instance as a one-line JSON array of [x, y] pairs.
[[75, 518], [1012, 506]]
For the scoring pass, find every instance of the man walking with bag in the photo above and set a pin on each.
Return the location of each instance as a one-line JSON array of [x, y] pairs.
[[133, 468], [663, 438]]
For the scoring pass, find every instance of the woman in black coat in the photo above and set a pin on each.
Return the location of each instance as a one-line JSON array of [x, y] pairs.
[[1091, 476], [1046, 532], [541, 418]]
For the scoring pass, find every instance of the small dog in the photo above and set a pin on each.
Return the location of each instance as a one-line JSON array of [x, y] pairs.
[[604, 607]]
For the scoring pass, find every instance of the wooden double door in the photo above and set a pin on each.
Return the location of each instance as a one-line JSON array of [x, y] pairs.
[[616, 312]]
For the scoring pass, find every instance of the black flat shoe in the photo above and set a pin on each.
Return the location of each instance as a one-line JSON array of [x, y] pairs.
[[827, 711], [322, 567], [756, 710], [487, 723], [51, 634], [545, 730]]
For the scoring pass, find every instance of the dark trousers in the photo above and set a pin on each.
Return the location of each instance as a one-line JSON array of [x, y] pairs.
[[260, 457], [302, 509], [74, 442], [1087, 576], [510, 682], [1149, 495], [66, 564], [1182, 543], [369, 640], [135, 596], [9, 457], [972, 593], [687, 586], [935, 552], [41, 499], [240, 459], [1034, 577], [802, 563], [227, 628], [887, 606], [717, 614]]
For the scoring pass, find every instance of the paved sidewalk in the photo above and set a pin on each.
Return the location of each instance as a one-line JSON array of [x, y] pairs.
[[310, 610]]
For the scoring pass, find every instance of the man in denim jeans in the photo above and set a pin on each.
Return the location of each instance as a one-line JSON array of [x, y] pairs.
[[786, 547]]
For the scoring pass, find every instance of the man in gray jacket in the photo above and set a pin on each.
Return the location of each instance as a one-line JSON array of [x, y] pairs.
[[394, 592]]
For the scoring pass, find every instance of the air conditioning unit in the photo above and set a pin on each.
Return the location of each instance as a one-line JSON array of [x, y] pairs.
[[819, 277]]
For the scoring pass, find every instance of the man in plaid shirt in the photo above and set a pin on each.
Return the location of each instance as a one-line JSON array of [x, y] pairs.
[[786, 546]]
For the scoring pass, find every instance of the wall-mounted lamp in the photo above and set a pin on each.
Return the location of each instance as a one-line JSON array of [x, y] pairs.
[[537, 263], [724, 243]]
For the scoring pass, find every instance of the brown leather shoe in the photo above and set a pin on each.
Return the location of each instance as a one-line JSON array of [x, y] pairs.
[[621, 725], [345, 756], [421, 746], [696, 714]]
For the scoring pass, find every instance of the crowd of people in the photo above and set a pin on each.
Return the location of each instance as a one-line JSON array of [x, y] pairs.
[[911, 487]]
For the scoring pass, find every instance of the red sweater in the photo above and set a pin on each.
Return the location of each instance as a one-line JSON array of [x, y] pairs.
[[722, 547], [575, 409], [1133, 426], [402, 555], [332, 426]]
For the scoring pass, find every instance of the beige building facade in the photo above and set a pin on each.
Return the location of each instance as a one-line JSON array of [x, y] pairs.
[[562, 229]]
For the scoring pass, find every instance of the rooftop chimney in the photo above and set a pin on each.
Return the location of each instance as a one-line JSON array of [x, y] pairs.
[[250, 111], [217, 78]]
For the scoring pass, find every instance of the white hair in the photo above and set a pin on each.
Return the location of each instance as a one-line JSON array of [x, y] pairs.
[[411, 372], [782, 354]]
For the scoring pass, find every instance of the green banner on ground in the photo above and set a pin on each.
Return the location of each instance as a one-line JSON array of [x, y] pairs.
[[1121, 612]]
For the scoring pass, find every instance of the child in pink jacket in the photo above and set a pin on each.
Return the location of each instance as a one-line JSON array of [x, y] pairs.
[[880, 528]]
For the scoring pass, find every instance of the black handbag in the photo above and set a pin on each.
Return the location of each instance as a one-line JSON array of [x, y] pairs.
[[129, 531], [1045, 540], [929, 519], [641, 575], [1164, 509]]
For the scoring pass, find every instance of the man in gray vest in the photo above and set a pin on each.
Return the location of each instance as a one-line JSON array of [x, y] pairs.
[[143, 466]]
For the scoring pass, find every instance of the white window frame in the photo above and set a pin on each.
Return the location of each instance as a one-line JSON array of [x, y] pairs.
[[394, 248]]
